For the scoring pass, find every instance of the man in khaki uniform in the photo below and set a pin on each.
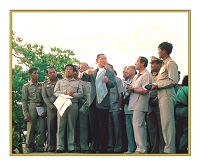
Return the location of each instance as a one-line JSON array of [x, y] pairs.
[[49, 98], [153, 115], [68, 86], [32, 102], [165, 83]]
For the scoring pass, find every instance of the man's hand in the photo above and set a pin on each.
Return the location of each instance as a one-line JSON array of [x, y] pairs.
[[43, 114], [105, 79], [154, 86], [89, 72], [69, 92], [129, 88], [26, 118]]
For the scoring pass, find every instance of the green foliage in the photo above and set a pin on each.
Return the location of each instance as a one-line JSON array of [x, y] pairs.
[[31, 55]]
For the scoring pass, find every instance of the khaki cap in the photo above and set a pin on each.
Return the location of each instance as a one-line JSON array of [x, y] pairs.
[[155, 59]]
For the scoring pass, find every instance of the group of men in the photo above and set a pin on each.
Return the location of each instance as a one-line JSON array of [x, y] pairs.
[[93, 123]]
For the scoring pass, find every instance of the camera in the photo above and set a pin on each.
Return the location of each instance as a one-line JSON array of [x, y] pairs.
[[148, 87]]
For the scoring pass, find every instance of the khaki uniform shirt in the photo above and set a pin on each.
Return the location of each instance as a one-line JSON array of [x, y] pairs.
[[65, 84], [168, 74], [153, 99], [31, 94], [48, 93]]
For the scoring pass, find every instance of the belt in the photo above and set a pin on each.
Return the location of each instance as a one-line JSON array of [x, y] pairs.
[[38, 104]]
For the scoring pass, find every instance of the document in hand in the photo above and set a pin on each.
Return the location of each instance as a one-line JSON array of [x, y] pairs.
[[101, 88], [62, 102], [40, 110]]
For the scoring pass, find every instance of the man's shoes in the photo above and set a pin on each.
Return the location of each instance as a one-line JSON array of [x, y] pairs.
[[117, 152], [90, 152], [102, 151], [109, 151], [84, 151], [128, 152], [77, 151], [51, 151], [71, 151], [58, 151], [138, 152]]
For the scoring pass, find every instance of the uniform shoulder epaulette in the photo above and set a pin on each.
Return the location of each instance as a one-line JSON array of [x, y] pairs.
[[40, 83], [171, 60], [26, 83], [44, 81]]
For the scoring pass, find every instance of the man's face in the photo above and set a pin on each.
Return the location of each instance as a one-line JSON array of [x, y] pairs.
[[130, 71], [138, 64], [125, 75], [101, 61], [34, 75], [52, 75], [161, 52], [83, 67], [69, 71], [109, 67], [155, 67]]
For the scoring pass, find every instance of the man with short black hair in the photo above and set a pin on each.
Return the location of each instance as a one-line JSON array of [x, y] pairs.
[[32, 102], [165, 82], [49, 98], [68, 86]]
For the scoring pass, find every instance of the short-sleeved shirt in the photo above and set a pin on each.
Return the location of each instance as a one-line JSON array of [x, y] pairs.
[[48, 93], [72, 84], [139, 102], [31, 93]]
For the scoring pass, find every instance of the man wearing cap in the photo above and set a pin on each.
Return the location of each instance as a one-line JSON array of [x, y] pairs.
[[165, 82], [153, 115]]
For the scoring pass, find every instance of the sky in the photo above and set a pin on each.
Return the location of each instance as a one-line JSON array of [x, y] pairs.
[[122, 36], [129, 36]]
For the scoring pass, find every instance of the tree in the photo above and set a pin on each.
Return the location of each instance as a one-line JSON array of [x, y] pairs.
[[31, 55]]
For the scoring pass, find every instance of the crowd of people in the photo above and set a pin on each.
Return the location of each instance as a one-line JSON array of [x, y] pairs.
[[145, 112]]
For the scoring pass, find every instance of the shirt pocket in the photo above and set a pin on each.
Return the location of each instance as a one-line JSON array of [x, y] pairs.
[[163, 69], [32, 93], [74, 87], [50, 90]]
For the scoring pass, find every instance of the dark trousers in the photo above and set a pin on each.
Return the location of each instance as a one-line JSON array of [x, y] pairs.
[[99, 128], [154, 130]]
